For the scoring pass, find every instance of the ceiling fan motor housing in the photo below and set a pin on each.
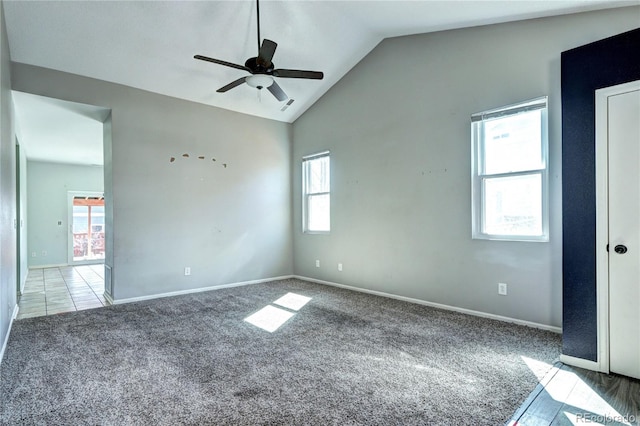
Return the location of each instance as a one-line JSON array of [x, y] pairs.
[[257, 66]]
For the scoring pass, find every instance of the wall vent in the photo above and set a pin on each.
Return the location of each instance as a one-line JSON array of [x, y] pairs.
[[108, 283], [287, 105]]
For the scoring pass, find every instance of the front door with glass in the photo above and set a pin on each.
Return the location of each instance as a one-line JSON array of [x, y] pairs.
[[87, 228]]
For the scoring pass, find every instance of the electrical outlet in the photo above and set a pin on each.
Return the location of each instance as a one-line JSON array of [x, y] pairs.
[[317, 263], [44, 252], [33, 254], [502, 289], [187, 270], [340, 267]]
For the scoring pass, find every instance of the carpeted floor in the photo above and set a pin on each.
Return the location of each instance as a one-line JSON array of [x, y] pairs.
[[343, 358]]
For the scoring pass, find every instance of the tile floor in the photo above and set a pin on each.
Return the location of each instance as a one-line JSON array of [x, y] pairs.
[[51, 291]]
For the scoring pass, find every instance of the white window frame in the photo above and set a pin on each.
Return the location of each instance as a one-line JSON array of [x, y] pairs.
[[307, 194], [478, 176]]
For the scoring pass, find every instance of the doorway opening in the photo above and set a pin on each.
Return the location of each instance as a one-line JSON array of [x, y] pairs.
[[63, 145]]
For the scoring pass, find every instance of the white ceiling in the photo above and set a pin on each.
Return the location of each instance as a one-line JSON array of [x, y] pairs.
[[150, 44], [59, 131]]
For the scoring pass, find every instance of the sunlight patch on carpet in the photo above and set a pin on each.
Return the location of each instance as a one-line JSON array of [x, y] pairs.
[[292, 301], [269, 318]]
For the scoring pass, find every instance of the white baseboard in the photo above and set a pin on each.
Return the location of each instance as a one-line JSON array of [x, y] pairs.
[[6, 339], [582, 363], [193, 290], [53, 265], [108, 298], [438, 305]]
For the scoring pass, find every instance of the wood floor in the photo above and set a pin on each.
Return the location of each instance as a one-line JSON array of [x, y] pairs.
[[573, 396]]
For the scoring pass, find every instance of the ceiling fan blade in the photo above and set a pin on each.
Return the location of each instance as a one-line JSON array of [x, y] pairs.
[[219, 62], [267, 50], [231, 85], [314, 75], [277, 92]]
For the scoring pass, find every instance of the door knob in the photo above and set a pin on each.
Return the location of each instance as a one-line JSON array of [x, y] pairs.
[[620, 249]]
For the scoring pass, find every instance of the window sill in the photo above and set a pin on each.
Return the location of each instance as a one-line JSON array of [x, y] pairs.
[[512, 238]]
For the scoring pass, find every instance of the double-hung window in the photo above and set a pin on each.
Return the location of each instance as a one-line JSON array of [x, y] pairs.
[[509, 172], [316, 187]]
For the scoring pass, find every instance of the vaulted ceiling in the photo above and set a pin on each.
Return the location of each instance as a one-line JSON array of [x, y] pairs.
[[150, 44]]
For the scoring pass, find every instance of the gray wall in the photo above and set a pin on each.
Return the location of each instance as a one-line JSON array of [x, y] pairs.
[[229, 224], [8, 278], [48, 185], [398, 127]]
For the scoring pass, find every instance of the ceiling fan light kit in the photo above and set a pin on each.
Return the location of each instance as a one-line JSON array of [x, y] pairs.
[[262, 69], [259, 81]]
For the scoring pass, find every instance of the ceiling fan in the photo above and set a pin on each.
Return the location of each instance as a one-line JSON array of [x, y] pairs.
[[262, 69]]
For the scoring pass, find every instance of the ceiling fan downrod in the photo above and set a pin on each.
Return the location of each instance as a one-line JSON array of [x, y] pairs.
[[258, 17]]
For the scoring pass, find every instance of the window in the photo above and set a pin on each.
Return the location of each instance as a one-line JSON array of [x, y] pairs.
[[316, 193], [509, 172]]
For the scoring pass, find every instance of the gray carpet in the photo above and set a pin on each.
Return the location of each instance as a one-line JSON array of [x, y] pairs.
[[344, 358]]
